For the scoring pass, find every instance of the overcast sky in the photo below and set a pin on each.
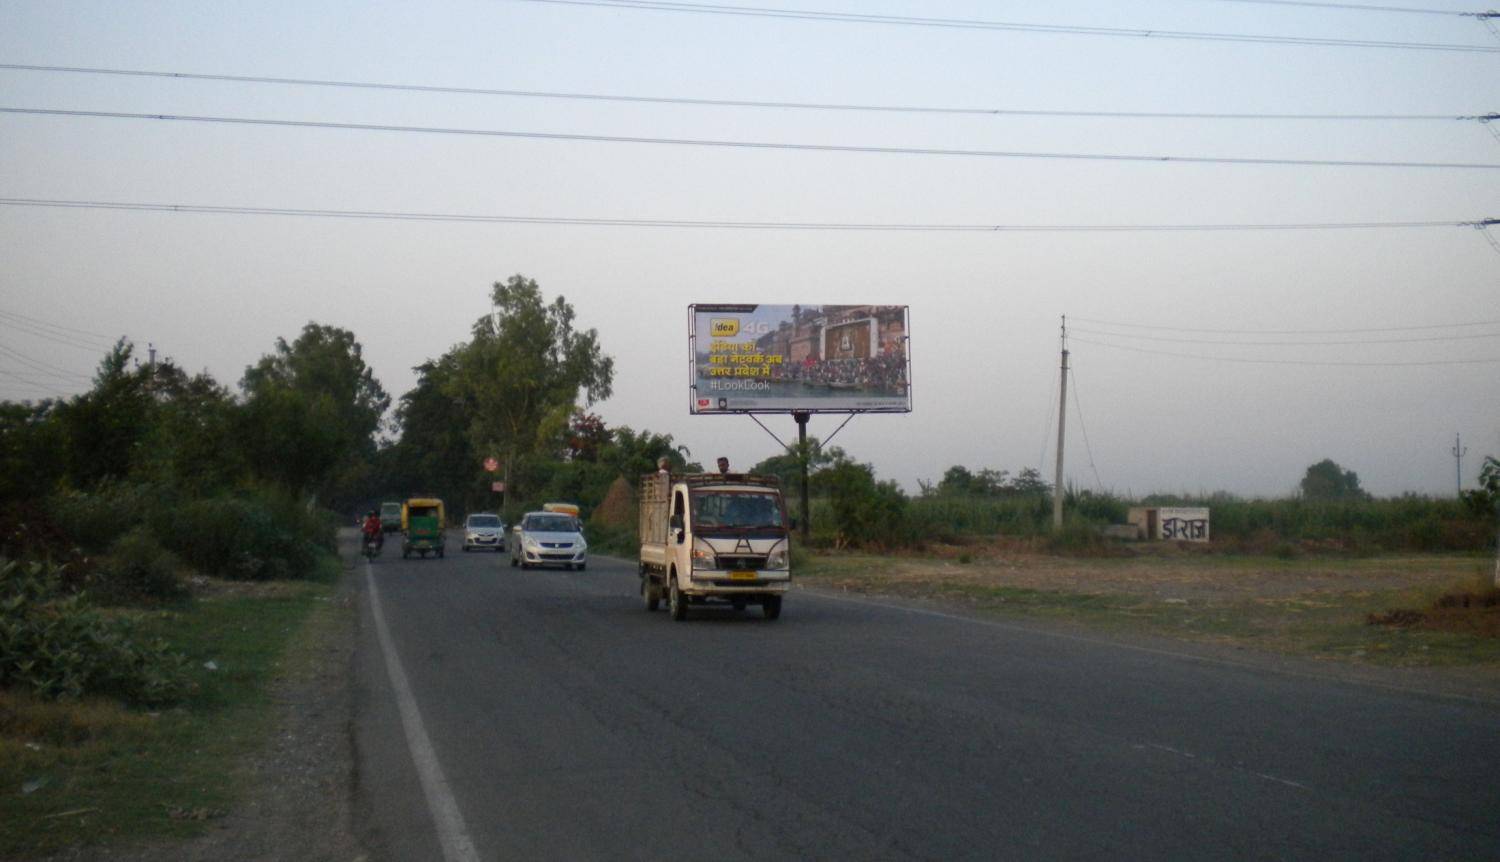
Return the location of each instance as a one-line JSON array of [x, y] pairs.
[[213, 292]]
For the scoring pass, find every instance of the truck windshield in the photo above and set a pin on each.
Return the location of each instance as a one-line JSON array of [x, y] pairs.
[[736, 510]]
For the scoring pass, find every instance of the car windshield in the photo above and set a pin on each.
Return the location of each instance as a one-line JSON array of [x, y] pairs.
[[484, 520], [736, 510], [551, 524]]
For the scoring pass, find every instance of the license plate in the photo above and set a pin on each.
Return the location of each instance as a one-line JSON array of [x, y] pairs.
[[742, 576]]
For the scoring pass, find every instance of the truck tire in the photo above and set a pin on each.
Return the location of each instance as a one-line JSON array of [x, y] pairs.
[[651, 593], [676, 601], [771, 607]]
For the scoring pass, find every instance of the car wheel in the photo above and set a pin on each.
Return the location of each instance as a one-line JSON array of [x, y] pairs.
[[676, 601], [582, 566], [771, 607]]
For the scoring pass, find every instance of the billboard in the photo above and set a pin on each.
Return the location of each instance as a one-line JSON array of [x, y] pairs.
[[799, 358]]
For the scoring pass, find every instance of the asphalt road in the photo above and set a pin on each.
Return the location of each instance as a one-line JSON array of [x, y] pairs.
[[556, 719]]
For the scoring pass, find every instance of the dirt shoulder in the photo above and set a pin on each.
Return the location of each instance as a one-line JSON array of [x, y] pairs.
[[1306, 615], [298, 788]]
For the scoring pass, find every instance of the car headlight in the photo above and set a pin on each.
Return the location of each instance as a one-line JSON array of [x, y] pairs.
[[777, 559], [581, 545], [703, 555]]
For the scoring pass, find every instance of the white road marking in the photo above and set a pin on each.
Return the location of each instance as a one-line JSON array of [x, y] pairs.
[[451, 831]]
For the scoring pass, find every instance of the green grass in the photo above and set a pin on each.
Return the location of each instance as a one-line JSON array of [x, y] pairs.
[[101, 774]]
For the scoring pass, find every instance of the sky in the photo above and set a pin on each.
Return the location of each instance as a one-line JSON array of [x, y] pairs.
[[1159, 400]]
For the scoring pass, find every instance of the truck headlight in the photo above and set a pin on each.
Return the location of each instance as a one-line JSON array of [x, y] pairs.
[[704, 556], [777, 559]]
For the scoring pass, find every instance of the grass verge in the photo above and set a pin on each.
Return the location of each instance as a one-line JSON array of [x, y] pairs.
[[91, 773], [1315, 608]]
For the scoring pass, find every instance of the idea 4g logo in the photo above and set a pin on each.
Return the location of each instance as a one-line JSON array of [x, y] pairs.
[[729, 327]]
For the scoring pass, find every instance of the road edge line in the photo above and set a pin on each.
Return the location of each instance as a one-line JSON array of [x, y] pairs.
[[452, 833]]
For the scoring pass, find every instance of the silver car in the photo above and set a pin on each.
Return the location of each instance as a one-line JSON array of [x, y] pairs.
[[548, 539], [485, 532]]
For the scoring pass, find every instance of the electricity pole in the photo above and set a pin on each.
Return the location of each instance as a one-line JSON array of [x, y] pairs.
[[1459, 452], [1062, 415]]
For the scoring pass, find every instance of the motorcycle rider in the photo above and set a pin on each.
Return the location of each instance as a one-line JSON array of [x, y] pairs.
[[372, 530]]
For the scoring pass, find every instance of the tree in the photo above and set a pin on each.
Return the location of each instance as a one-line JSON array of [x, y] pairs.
[[1326, 480], [865, 512], [1485, 500], [788, 466], [524, 369], [312, 408]]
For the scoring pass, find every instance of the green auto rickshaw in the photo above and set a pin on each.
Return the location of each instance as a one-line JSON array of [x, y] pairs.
[[422, 521]]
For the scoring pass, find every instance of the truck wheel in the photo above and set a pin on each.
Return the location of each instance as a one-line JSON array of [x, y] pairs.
[[771, 606], [651, 592], [676, 601]]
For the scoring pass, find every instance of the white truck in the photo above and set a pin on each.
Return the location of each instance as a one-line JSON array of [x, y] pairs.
[[710, 537]]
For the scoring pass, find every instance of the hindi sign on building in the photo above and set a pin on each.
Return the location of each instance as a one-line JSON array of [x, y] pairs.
[[800, 358]]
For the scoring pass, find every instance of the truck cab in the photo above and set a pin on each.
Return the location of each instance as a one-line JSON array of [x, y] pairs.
[[720, 538]]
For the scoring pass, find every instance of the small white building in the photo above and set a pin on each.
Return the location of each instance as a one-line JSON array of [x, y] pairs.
[[1171, 523]]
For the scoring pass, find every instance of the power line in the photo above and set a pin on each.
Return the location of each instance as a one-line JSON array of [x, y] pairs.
[[1419, 328], [44, 332], [1289, 343], [1361, 7], [749, 103], [714, 223], [754, 145], [1245, 361], [974, 24], [40, 367], [54, 326], [1078, 406]]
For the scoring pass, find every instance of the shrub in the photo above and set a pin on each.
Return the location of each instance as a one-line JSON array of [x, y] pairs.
[[60, 648], [865, 512], [138, 567], [94, 521], [260, 536]]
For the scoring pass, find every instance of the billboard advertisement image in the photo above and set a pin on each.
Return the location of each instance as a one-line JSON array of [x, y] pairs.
[[799, 358]]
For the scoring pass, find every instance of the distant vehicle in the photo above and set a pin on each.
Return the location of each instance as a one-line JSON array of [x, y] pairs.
[[714, 537], [422, 523], [561, 508], [548, 539], [390, 517], [484, 531]]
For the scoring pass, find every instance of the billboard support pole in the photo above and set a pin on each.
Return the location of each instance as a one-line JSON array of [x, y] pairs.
[[801, 418]]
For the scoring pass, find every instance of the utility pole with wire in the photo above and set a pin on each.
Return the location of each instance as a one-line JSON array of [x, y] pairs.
[[1459, 451], [1062, 414]]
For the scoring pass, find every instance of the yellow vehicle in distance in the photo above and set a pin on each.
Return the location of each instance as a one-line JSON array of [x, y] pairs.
[[561, 508], [422, 522]]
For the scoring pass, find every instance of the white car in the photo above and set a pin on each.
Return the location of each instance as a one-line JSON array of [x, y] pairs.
[[548, 539], [485, 532]]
